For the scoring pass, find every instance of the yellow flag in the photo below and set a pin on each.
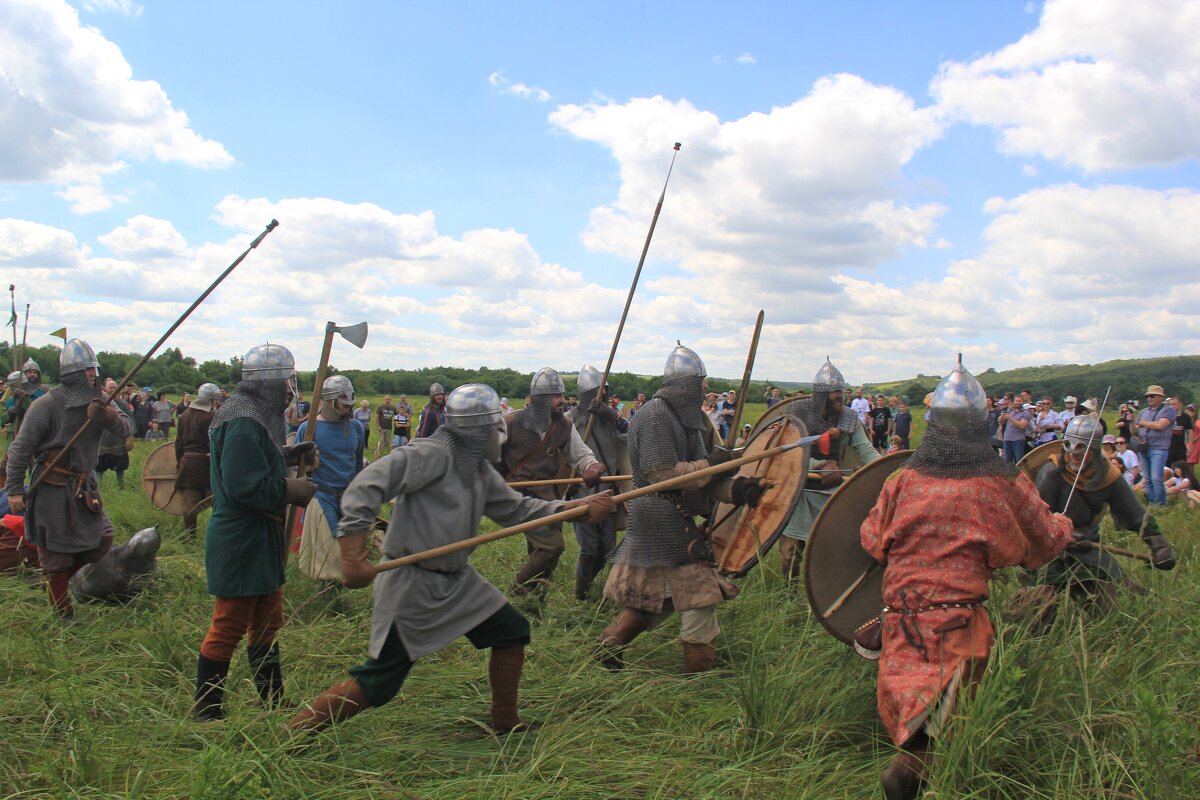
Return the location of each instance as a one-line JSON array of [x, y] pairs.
[[61, 333]]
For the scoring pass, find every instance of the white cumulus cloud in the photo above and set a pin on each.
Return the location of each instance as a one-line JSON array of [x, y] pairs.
[[1098, 85], [71, 111]]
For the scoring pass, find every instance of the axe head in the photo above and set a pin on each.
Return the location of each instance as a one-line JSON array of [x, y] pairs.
[[354, 334]]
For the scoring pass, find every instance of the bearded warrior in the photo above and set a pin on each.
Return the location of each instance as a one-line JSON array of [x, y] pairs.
[[664, 563], [1087, 573], [192, 452], [607, 442], [442, 485], [65, 516], [245, 547], [823, 411], [341, 441], [542, 444], [942, 525]]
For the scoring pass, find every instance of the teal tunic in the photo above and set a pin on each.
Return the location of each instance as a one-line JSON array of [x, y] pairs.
[[245, 551]]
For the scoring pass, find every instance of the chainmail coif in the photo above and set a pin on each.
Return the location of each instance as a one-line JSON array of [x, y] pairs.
[[812, 415], [685, 396], [75, 390], [262, 401], [584, 409], [466, 445], [947, 451], [535, 416]]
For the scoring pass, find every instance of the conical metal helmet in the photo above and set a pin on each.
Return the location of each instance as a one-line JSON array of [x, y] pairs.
[[76, 355], [589, 379], [682, 363], [13, 378], [546, 381], [338, 387], [436, 388], [1082, 433], [473, 405], [959, 400], [31, 364], [208, 391], [268, 361], [828, 379]]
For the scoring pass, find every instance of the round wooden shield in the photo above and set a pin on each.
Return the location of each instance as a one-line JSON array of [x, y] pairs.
[[844, 584], [1036, 458], [741, 536], [158, 481]]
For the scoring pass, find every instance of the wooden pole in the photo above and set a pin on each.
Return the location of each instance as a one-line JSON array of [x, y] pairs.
[[579, 511], [745, 384], [25, 334], [587, 431], [66, 448]]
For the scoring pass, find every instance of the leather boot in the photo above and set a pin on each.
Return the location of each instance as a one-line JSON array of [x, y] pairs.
[[583, 577], [1161, 554], [698, 657], [905, 776], [535, 573], [620, 632], [339, 702], [267, 671], [504, 675], [210, 689]]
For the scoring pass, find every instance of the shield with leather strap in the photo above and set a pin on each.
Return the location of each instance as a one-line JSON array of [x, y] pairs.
[[1037, 458], [158, 481], [843, 583], [741, 535]]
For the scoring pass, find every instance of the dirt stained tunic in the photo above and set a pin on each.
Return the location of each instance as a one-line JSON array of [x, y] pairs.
[[432, 603], [940, 540]]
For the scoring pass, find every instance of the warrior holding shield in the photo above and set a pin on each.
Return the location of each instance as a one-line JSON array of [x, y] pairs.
[[942, 525]]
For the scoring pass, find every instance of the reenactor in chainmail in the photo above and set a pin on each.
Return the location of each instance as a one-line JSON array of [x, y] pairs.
[[1084, 572], [943, 523], [664, 563], [442, 486], [23, 388], [65, 516], [824, 410], [607, 441], [542, 444]]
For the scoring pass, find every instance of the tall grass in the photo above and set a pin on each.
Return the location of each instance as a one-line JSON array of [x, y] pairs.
[[1093, 708]]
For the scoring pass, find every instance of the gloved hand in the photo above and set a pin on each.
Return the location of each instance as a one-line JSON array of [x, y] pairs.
[[599, 506], [293, 453], [748, 491], [1161, 555], [1079, 544], [357, 570], [101, 414], [606, 412], [591, 475], [831, 476], [17, 503], [719, 456], [300, 491]]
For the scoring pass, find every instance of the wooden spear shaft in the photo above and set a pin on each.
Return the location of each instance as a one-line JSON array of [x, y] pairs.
[[606, 478], [731, 437], [612, 353], [579, 511], [66, 448]]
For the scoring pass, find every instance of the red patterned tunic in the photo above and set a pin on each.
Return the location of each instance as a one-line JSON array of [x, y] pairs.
[[940, 539]]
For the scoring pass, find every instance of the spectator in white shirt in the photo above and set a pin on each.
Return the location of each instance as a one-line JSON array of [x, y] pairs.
[[1047, 423]]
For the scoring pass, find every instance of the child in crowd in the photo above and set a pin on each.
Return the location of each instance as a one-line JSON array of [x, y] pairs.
[[154, 432]]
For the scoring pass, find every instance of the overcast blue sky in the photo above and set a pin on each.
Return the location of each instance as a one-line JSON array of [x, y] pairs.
[[893, 183]]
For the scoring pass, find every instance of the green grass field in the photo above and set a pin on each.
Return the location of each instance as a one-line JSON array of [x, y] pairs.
[[1105, 708]]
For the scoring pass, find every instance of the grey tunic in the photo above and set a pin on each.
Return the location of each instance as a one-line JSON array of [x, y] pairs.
[[431, 604], [813, 500], [55, 519]]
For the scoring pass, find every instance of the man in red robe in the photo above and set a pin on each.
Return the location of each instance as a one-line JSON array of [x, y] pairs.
[[943, 524]]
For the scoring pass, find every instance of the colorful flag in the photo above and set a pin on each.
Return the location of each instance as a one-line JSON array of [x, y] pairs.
[[60, 333]]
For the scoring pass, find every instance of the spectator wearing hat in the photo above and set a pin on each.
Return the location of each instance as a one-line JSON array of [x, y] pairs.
[[1092, 407], [1017, 422], [1154, 425], [744, 436], [1068, 412]]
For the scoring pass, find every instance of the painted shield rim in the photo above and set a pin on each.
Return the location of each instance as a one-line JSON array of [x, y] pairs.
[[884, 466]]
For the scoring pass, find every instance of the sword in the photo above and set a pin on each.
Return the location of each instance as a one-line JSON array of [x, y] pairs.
[[572, 513]]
